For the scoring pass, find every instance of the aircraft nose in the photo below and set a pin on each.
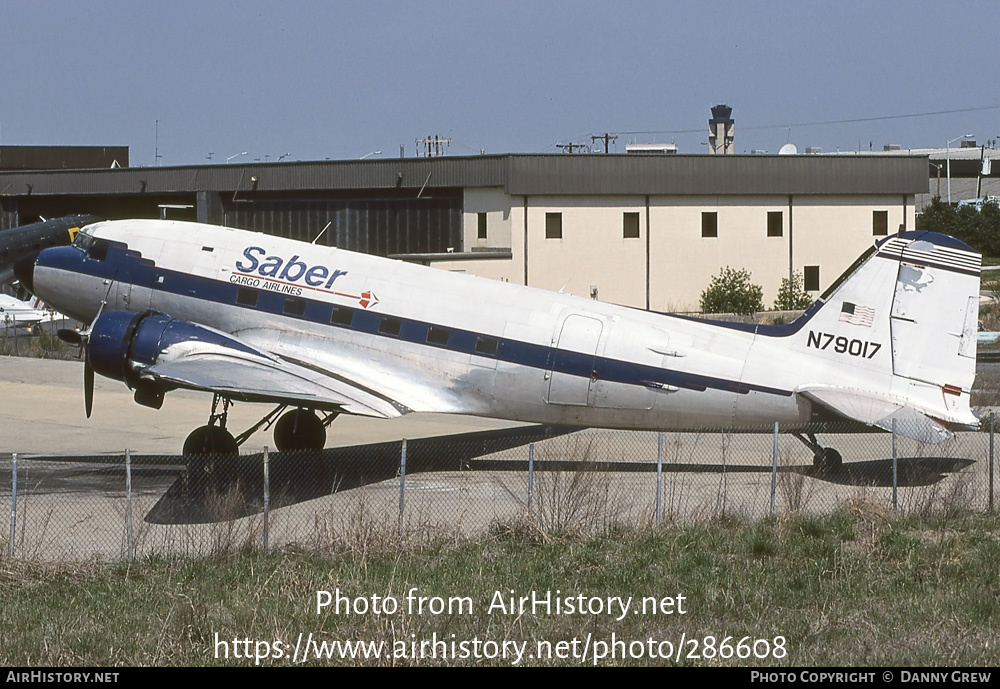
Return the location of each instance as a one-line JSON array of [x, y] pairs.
[[24, 270]]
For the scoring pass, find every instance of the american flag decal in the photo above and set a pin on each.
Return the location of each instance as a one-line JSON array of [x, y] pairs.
[[856, 314]]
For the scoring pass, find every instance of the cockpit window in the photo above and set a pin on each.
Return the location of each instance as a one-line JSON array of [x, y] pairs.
[[94, 247], [98, 249], [82, 240]]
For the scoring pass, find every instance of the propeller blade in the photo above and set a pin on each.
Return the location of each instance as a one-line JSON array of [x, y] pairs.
[[70, 336], [88, 387]]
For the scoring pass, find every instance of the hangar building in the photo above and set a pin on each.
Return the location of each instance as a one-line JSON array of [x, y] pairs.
[[647, 231]]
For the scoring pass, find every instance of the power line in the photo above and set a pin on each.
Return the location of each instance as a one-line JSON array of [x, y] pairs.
[[830, 122]]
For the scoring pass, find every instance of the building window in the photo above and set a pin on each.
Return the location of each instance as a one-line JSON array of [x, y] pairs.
[[482, 226], [811, 278], [774, 224], [553, 225], [630, 225], [880, 223], [709, 224]]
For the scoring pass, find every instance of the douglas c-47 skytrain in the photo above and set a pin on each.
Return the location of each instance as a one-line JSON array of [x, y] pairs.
[[322, 331]]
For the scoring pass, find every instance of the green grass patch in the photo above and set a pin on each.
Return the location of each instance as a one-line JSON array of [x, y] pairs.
[[847, 589]]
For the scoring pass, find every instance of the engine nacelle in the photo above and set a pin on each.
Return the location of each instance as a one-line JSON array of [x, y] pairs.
[[109, 347], [123, 344]]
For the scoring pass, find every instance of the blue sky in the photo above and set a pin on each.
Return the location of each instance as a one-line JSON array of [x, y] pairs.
[[339, 80]]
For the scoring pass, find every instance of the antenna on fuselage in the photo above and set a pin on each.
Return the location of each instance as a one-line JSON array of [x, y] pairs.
[[321, 232]]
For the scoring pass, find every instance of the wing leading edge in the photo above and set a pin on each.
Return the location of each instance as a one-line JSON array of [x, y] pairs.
[[262, 378]]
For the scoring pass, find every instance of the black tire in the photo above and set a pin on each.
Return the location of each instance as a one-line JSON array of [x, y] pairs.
[[299, 429], [210, 441], [827, 459]]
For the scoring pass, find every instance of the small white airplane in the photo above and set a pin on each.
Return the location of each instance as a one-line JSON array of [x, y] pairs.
[[15, 313], [253, 317]]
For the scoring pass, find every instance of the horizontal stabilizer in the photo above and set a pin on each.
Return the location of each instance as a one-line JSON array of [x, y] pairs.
[[884, 411]]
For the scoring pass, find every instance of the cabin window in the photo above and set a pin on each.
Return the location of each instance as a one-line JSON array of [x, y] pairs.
[[98, 249], [437, 336], [709, 224], [880, 223], [245, 296], [487, 346], [341, 316], [774, 224], [482, 226], [553, 225], [389, 326], [294, 307], [630, 226], [811, 278]]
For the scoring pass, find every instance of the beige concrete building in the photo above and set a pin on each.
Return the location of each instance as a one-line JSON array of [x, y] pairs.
[[660, 250]]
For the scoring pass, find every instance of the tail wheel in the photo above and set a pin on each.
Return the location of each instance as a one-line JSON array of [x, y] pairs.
[[211, 440], [299, 429]]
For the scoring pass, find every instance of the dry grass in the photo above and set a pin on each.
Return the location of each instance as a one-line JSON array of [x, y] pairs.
[[860, 587]]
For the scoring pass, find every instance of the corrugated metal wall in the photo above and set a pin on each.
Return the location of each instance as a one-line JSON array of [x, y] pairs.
[[374, 226]]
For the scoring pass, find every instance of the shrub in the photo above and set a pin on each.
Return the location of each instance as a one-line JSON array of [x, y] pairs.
[[791, 295], [732, 292]]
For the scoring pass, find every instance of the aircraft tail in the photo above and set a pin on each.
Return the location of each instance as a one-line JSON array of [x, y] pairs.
[[894, 339]]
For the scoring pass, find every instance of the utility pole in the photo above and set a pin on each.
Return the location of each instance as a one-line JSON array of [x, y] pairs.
[[572, 147], [156, 146], [433, 146], [606, 138]]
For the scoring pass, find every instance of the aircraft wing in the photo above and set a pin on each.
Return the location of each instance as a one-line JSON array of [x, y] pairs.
[[884, 411], [167, 353], [270, 381], [266, 379]]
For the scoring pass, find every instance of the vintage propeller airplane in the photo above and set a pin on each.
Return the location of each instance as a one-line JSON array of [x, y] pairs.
[[15, 313], [322, 331]]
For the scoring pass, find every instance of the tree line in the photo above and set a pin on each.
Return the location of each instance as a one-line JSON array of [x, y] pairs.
[[979, 229]]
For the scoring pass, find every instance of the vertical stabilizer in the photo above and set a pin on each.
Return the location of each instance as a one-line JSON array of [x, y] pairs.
[[896, 336]]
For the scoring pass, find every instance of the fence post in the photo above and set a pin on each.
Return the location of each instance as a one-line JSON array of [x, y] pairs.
[[402, 483], [13, 504], [531, 475], [991, 462], [129, 539], [774, 466], [267, 498], [659, 473], [895, 469]]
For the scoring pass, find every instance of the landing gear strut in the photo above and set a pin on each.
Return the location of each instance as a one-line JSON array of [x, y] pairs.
[[298, 429], [824, 458], [212, 439]]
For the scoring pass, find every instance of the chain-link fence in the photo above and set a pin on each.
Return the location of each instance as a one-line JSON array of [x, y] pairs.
[[548, 478]]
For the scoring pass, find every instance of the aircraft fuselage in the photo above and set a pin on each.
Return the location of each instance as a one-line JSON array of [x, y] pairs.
[[433, 340]]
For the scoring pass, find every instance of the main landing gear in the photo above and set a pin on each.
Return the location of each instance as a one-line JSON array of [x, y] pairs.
[[824, 458], [297, 429]]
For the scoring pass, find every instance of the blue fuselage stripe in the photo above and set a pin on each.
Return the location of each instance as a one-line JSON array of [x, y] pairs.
[[127, 266]]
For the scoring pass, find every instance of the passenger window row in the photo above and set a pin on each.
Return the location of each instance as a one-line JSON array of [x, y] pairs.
[[293, 306]]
